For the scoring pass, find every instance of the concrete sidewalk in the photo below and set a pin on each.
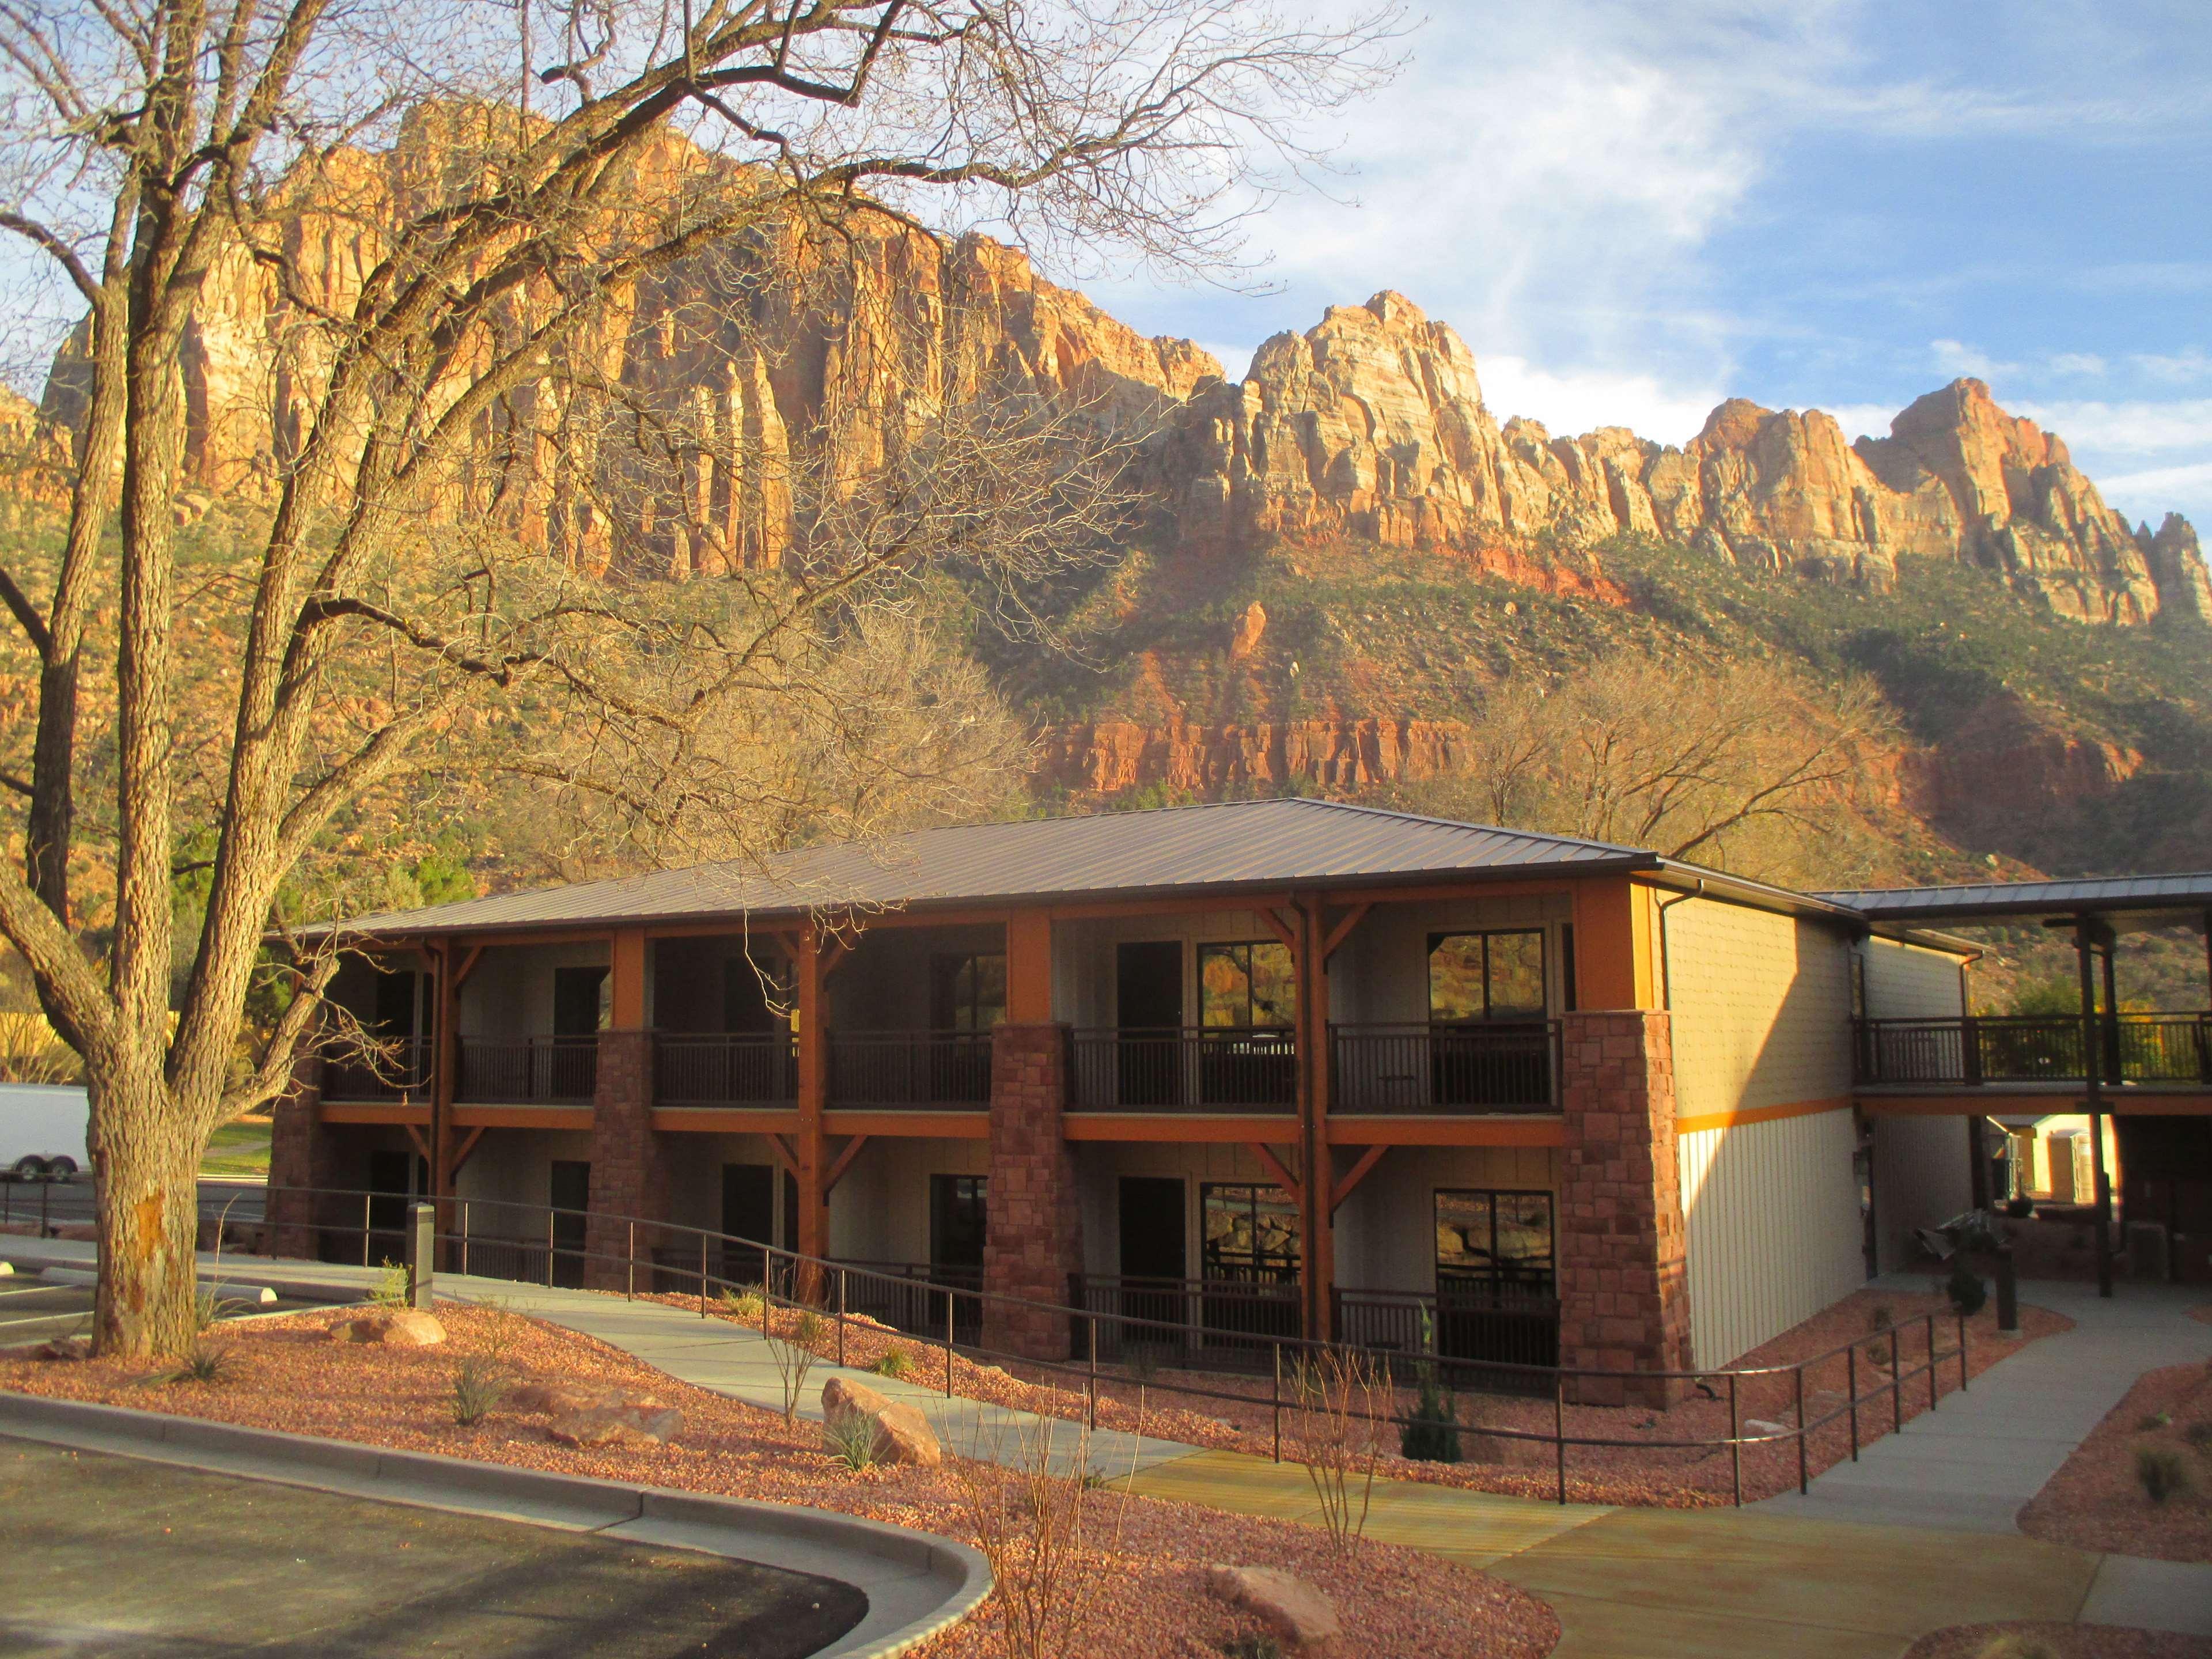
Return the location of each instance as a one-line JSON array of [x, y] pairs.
[[1971, 1466]]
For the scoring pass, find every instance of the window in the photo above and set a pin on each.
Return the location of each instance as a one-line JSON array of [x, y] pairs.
[[1246, 985], [967, 992], [1498, 1238], [956, 1221], [1486, 977], [1250, 1233]]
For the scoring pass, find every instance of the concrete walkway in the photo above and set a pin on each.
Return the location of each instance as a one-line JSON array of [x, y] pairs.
[[1971, 1466], [1857, 1571]]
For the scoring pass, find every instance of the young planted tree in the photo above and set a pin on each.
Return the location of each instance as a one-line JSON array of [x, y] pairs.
[[452, 215]]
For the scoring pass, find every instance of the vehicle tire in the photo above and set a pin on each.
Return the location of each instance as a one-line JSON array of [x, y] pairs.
[[62, 1169], [30, 1167]]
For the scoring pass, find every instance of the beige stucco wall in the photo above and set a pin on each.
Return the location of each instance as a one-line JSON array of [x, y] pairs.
[[1910, 982], [1761, 1007]]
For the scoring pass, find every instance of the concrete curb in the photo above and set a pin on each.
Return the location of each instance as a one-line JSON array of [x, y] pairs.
[[237, 1272], [917, 1583]]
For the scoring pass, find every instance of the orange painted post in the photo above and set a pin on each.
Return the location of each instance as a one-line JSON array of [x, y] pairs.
[[1029, 968]]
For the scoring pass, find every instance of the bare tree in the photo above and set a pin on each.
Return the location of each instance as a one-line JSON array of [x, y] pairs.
[[451, 211], [1741, 765]]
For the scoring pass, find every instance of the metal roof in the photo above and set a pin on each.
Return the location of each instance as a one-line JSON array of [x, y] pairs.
[[2137, 900], [1220, 848]]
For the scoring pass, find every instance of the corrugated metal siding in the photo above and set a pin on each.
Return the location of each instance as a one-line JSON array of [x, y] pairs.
[[1772, 1215]]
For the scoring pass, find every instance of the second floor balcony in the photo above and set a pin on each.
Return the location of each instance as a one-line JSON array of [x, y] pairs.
[[2168, 1050]]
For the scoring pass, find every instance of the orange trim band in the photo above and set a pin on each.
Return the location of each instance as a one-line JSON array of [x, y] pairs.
[[1364, 1131], [1176, 1129], [374, 1111], [1703, 1121]]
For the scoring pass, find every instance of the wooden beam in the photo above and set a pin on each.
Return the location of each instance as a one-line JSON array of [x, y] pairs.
[[1345, 924], [1357, 1173], [422, 1150], [1178, 1128], [1277, 926], [903, 1122], [781, 1150], [809, 1157], [1274, 1167], [844, 1157], [468, 966], [832, 955], [626, 954], [1029, 968], [461, 1152], [1476, 1129]]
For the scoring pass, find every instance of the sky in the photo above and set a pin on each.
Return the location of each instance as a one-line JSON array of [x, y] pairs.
[[1633, 210]]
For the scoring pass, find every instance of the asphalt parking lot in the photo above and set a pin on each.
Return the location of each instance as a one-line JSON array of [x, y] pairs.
[[111, 1556], [34, 1310]]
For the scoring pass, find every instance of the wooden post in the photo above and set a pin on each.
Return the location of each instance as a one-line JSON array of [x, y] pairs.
[[812, 1150], [1317, 1176], [444, 1073]]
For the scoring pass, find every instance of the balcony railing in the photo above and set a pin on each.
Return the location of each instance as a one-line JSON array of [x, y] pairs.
[[2132, 1048], [1499, 1065], [726, 1071], [551, 1070], [910, 1068], [402, 1071], [1231, 1068]]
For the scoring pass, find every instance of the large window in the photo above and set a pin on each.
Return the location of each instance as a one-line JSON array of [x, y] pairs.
[[1491, 975], [958, 1206], [1495, 1238], [967, 992], [1250, 1233], [1246, 985]]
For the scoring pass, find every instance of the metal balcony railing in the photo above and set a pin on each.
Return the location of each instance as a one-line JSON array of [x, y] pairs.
[[401, 1070], [551, 1070], [1498, 1065], [713, 1070], [1227, 1068], [894, 1069], [2132, 1048]]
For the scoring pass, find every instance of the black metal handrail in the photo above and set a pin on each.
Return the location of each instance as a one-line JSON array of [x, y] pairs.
[[2133, 1047], [718, 1070], [1206, 1068], [399, 1068], [1489, 1066], [828, 1286], [894, 1069], [553, 1071]]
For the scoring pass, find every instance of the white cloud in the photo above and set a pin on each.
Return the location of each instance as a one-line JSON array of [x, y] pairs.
[[1579, 401], [2180, 368], [2132, 429], [1954, 358], [2149, 496], [2085, 364]]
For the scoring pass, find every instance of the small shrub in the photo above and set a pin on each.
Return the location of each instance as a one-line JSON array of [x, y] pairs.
[[2199, 1435], [2019, 1647], [794, 1360], [1335, 1432], [201, 1363], [479, 1385], [849, 1437], [2154, 1422], [810, 1327], [746, 1306], [2161, 1472], [1253, 1647], [1968, 1290], [390, 1289], [1433, 1436], [896, 1364]]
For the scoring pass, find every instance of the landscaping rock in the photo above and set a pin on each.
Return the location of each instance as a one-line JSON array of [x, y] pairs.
[[618, 1425], [66, 1347], [567, 1399], [903, 1434], [1294, 1609], [1760, 1425], [396, 1327]]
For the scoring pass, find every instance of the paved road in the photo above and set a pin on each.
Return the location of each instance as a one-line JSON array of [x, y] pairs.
[[35, 1309], [69, 1203], [125, 1559]]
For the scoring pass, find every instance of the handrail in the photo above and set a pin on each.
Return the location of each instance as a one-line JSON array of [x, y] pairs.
[[807, 1281], [1969, 1050]]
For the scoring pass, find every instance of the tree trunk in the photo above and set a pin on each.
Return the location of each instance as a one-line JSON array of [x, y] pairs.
[[146, 1173]]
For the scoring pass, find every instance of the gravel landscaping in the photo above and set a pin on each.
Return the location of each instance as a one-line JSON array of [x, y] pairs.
[[1642, 1473], [1145, 1562], [2026, 1639], [2098, 1501]]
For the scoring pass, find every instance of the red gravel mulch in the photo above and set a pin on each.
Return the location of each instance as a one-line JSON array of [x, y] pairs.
[[1148, 1600], [2026, 1639], [1641, 1473], [2097, 1502]]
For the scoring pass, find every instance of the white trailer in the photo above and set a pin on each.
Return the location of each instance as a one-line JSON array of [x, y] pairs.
[[42, 1129]]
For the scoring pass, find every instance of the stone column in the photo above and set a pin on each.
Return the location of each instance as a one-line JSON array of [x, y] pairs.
[[301, 1154], [1624, 1289], [1034, 1224], [629, 1165]]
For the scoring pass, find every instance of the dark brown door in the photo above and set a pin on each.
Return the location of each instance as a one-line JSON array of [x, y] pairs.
[[1148, 1011]]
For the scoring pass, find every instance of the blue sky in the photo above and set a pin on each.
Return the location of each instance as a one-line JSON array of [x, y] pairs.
[[1633, 210]]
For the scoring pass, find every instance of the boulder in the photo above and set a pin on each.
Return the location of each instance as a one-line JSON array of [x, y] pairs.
[[392, 1328], [66, 1347], [1289, 1606], [565, 1399], [618, 1425], [903, 1433]]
